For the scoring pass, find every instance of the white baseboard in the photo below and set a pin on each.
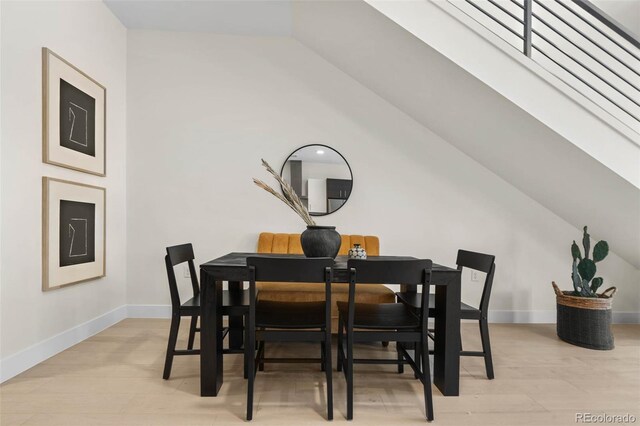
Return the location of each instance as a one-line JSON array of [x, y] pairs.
[[522, 317], [154, 311], [549, 317], [148, 311], [33, 355], [505, 317], [626, 317]]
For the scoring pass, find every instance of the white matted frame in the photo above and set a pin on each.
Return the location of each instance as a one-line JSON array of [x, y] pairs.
[[54, 193], [54, 70]]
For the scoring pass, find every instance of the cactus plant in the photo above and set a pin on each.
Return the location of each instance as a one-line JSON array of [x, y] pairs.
[[585, 283]]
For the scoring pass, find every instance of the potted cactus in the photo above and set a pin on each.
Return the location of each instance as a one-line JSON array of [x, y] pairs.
[[584, 316]]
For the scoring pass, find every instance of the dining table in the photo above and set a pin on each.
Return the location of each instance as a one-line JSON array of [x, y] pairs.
[[232, 268]]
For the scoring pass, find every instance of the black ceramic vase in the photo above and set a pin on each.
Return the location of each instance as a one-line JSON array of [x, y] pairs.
[[320, 241]]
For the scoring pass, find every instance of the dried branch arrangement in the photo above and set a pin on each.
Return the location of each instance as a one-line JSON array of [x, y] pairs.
[[292, 200]]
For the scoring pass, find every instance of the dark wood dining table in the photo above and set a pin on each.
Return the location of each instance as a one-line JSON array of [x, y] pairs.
[[233, 269]]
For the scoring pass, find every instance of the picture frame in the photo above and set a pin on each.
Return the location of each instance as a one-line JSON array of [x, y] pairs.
[[73, 233], [73, 117]]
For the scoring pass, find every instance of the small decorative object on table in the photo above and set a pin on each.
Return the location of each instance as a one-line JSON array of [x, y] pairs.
[[584, 317], [357, 252], [316, 241]]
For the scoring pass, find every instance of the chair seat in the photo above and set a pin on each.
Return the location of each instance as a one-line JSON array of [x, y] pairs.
[[315, 292], [236, 303], [381, 316], [415, 300], [271, 314], [192, 304], [469, 312]]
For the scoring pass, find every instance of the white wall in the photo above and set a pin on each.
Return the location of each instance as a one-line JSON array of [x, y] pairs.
[[90, 37], [202, 111]]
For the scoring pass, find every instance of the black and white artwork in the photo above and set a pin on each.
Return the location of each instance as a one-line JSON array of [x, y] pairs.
[[77, 119], [74, 117], [73, 233], [77, 232]]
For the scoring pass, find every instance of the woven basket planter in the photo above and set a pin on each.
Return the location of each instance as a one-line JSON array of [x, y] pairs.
[[585, 321]]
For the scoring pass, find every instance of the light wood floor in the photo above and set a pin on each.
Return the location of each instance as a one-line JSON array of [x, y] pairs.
[[115, 378]]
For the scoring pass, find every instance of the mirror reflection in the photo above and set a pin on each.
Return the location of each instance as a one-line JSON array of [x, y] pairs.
[[321, 177]]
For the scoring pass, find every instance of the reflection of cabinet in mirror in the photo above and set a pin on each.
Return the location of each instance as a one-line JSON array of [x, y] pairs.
[[338, 191], [294, 177], [338, 188], [317, 195], [295, 167]]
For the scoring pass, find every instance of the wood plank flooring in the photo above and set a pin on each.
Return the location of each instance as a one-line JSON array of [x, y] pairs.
[[115, 378]]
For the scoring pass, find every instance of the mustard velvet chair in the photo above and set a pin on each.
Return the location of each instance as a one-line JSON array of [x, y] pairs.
[[314, 292]]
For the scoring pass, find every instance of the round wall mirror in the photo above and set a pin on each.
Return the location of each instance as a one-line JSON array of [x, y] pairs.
[[320, 176]]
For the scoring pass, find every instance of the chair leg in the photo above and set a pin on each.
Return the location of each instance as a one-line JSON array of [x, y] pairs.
[[426, 378], [171, 346], [349, 368], [247, 357], [323, 358], [251, 365], [417, 353], [329, 373], [192, 331], [340, 360], [400, 358], [261, 350], [486, 347]]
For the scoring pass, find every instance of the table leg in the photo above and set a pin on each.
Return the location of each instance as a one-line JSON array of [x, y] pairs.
[[446, 360], [236, 322], [210, 335]]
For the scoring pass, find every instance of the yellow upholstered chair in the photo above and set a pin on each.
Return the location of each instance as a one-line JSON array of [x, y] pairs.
[[312, 292]]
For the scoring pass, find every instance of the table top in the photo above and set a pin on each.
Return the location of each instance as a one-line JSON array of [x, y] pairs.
[[236, 260]]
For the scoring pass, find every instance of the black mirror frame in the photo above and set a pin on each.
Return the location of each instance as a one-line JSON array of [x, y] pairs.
[[341, 156]]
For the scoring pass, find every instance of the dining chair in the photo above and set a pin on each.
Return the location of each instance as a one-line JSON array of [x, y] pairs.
[[272, 321], [393, 322], [177, 255], [479, 262]]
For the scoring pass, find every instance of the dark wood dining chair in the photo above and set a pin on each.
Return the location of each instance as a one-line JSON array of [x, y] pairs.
[[392, 322], [177, 255], [289, 321], [479, 262]]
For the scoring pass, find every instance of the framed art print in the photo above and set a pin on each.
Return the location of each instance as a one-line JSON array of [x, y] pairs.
[[74, 108], [73, 233]]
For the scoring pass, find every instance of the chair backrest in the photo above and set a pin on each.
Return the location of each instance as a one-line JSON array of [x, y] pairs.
[[177, 255], [375, 271], [294, 270], [287, 269], [483, 263]]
